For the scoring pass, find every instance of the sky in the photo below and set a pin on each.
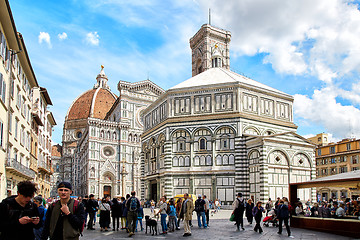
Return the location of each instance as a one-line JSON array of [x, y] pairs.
[[309, 49]]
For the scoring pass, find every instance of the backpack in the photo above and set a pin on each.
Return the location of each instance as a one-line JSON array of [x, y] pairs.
[[198, 206], [241, 204], [133, 204], [267, 206], [168, 209], [76, 204]]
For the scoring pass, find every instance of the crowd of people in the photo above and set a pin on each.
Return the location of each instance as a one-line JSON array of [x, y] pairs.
[[24, 216], [332, 209]]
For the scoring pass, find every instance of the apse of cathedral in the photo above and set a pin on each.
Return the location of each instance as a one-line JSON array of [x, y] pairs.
[[217, 133]]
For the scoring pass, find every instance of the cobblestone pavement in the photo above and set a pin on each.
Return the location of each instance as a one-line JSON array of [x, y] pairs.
[[220, 228]]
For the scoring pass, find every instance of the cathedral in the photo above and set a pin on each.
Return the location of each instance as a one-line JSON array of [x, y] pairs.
[[101, 138], [220, 133]]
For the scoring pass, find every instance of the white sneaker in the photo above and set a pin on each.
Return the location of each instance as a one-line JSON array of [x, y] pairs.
[[291, 236]]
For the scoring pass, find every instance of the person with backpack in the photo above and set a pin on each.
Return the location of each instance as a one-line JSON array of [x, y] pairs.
[[163, 208], [132, 205], [18, 215], [65, 218], [38, 200], [239, 207], [172, 215], [200, 207], [268, 206]]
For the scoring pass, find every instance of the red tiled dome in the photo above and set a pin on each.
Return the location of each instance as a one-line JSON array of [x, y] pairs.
[[93, 103]]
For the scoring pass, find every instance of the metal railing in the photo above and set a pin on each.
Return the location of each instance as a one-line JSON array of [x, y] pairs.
[[12, 163]]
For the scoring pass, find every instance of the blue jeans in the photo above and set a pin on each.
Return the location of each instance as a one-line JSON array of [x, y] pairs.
[[139, 220], [163, 222], [202, 215], [176, 222]]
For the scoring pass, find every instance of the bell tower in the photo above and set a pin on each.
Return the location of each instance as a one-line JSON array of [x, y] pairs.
[[210, 48]]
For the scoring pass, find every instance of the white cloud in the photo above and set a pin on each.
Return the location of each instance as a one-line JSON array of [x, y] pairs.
[[92, 38], [339, 120], [298, 37], [62, 36], [45, 37]]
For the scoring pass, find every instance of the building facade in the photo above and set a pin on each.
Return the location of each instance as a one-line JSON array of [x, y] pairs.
[[335, 158], [21, 119], [219, 133], [56, 177], [321, 139], [101, 142]]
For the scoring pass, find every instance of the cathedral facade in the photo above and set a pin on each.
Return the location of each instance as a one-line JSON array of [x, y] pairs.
[[219, 133], [101, 139]]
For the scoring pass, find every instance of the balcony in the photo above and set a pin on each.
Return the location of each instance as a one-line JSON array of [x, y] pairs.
[[16, 168], [44, 167]]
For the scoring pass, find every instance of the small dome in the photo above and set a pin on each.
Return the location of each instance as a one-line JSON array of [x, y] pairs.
[[93, 103]]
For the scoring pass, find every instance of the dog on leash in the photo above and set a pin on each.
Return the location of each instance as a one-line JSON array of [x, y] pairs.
[[152, 224]]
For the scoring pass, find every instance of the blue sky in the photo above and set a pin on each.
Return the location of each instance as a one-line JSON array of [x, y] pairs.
[[309, 49]]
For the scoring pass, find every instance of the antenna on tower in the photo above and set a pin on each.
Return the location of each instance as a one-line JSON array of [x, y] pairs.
[[209, 16]]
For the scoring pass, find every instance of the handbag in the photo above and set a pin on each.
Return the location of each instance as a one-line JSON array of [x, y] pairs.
[[232, 217]]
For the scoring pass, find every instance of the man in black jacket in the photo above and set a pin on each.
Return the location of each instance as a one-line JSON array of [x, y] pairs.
[[64, 218], [18, 215], [91, 208]]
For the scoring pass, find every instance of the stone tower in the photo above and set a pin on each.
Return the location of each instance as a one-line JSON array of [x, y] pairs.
[[210, 48]]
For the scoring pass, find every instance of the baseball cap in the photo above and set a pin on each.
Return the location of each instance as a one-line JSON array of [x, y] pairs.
[[65, 185]]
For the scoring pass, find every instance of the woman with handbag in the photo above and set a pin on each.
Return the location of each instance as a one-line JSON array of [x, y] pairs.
[[104, 214]]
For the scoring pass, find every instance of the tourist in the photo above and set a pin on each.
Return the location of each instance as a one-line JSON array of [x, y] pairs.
[[115, 213], [299, 209], [14, 225], [140, 216], [64, 218], [268, 206], [340, 211], [84, 202], [42, 213], [132, 206], [200, 207], [283, 216], [178, 210], [172, 215], [315, 210], [248, 212], [239, 207], [105, 210], [187, 208], [91, 207], [122, 214], [163, 208], [257, 212], [207, 209]]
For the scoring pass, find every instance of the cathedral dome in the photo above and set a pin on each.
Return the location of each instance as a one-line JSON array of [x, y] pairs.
[[93, 103]]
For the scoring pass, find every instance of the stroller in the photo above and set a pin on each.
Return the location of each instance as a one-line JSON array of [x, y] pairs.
[[271, 219]]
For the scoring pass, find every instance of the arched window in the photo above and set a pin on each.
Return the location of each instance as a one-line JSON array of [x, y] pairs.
[[202, 144]]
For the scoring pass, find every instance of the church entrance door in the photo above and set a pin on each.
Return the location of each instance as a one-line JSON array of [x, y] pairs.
[[107, 191], [153, 193]]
